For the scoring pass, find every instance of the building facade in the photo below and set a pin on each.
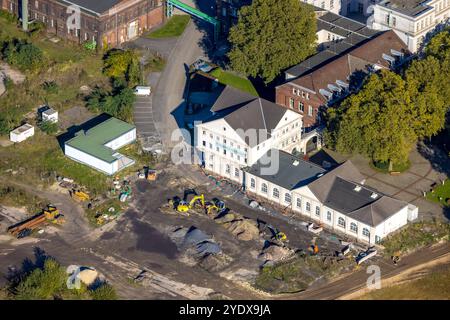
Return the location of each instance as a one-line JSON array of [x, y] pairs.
[[329, 82], [241, 130], [107, 22], [337, 199], [412, 20]]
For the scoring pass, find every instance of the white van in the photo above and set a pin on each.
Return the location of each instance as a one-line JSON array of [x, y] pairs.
[[142, 91]]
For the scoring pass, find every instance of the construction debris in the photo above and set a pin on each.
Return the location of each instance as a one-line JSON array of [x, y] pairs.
[[365, 255], [275, 253]]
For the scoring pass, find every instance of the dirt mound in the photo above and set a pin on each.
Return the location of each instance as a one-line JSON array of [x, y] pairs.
[[242, 228], [276, 253], [215, 262]]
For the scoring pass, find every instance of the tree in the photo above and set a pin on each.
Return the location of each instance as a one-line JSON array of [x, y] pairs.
[[270, 36], [22, 54], [49, 127], [118, 103], [377, 121], [123, 64], [45, 283]]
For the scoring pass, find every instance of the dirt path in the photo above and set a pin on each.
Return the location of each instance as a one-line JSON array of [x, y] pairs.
[[357, 281], [406, 275], [76, 226]]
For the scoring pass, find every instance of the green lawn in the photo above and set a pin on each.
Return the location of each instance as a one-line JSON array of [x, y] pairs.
[[174, 27], [441, 194], [384, 166], [233, 80]]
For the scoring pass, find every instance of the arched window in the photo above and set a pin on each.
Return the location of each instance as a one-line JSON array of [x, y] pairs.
[[228, 169], [236, 172], [252, 183], [264, 188], [308, 206], [276, 193], [329, 216], [299, 202], [287, 197], [366, 232], [318, 211], [341, 222], [353, 227]]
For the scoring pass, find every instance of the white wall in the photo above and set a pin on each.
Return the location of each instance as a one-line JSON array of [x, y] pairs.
[[122, 140], [89, 160], [22, 136]]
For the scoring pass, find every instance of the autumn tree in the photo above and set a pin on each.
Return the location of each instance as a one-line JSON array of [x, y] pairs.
[[377, 121], [384, 120], [123, 65], [270, 36]]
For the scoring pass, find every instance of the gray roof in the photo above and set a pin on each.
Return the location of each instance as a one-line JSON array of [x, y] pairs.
[[354, 33], [292, 172], [244, 112], [408, 7], [96, 6], [336, 190], [231, 97]]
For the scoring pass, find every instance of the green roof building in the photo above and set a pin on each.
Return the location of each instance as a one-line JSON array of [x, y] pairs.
[[97, 146]]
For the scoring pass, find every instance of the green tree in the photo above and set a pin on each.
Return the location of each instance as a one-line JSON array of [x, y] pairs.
[[270, 36], [122, 64], [22, 54], [40, 284], [118, 103], [377, 121]]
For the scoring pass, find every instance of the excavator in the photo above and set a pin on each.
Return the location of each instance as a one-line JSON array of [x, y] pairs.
[[183, 205], [217, 205]]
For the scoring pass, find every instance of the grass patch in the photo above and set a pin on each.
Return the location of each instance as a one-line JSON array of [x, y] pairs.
[[15, 197], [104, 208], [434, 286], [174, 27], [298, 274], [40, 159], [228, 78], [416, 235], [396, 167], [441, 194]]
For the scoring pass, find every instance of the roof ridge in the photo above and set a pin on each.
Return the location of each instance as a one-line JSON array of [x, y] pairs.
[[262, 114]]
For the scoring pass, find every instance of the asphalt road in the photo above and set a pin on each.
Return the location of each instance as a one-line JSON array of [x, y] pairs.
[[169, 92]]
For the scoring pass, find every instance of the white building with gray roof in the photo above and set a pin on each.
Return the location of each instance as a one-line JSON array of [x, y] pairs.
[[241, 129], [337, 199]]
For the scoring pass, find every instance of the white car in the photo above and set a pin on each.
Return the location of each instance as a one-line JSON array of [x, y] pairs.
[[142, 91]]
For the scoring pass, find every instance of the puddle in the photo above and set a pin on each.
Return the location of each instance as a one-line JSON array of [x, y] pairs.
[[151, 240]]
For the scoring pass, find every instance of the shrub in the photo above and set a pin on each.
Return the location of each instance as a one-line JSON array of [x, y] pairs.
[[50, 87], [23, 55], [104, 292], [48, 127]]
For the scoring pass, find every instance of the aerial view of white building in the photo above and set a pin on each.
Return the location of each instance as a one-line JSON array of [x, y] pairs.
[[337, 198], [412, 20], [97, 146], [241, 129]]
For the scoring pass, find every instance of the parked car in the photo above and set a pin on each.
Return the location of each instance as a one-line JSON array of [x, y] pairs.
[[142, 91]]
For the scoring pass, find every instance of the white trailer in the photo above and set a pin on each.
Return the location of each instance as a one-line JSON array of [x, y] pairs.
[[22, 133]]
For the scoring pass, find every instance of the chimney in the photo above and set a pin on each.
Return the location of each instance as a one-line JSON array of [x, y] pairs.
[[25, 15]]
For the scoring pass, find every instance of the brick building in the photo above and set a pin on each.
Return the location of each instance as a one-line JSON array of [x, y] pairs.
[[326, 84], [108, 22]]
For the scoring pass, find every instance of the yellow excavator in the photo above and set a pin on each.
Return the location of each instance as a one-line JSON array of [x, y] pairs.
[[216, 205], [184, 205]]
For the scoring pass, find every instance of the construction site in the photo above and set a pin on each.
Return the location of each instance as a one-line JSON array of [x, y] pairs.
[[187, 227]]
